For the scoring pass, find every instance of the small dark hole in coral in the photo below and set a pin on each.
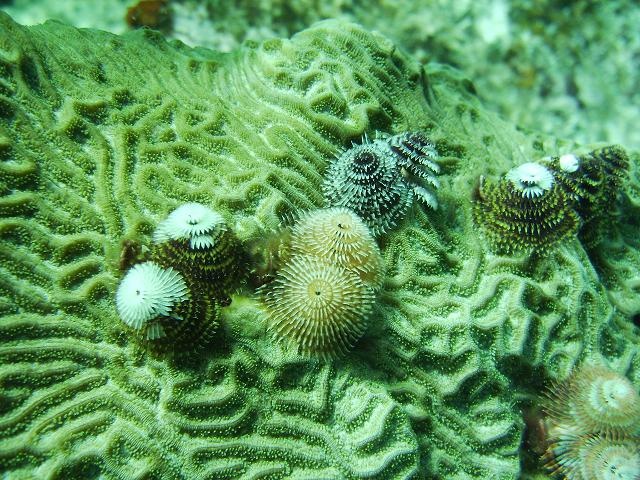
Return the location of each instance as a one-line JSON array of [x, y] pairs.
[[77, 131], [121, 98], [7, 110], [30, 73], [364, 158]]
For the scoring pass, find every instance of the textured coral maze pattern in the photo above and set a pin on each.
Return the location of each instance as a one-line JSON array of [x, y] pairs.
[[101, 136]]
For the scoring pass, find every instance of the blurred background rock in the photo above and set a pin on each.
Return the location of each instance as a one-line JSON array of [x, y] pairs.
[[567, 68]]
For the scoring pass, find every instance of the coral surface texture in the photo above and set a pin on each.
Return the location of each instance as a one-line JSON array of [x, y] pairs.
[[103, 136]]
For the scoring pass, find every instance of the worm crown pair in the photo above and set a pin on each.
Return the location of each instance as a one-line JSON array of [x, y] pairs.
[[593, 426], [538, 205], [379, 179], [195, 263], [320, 300]]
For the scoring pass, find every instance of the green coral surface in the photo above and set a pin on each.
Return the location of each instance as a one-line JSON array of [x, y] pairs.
[[102, 136]]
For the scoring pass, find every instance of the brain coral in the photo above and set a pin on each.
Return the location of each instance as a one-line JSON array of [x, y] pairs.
[[102, 136]]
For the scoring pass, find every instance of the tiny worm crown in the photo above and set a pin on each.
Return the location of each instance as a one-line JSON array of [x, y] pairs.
[[196, 261], [537, 206], [366, 179], [596, 400], [416, 157], [593, 426], [594, 457], [569, 163], [166, 310]]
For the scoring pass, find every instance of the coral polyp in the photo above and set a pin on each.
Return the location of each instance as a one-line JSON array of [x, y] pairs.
[[338, 236], [533, 214], [148, 292], [317, 308], [596, 400], [100, 134], [196, 241]]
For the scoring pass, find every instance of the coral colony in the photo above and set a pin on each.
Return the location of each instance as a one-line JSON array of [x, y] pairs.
[[161, 320]]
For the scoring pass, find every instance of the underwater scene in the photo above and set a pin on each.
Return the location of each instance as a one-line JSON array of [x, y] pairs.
[[312, 240]]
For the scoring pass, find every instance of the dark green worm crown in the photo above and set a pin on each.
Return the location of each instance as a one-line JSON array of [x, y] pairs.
[[164, 309], [192, 326], [378, 179], [513, 220], [593, 182], [416, 157], [197, 242]]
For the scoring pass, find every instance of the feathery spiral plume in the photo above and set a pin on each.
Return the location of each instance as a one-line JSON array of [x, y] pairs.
[[594, 457], [318, 308], [379, 179], [596, 400], [532, 179], [338, 236], [593, 182], [533, 213], [366, 179], [197, 242], [416, 157], [148, 292]]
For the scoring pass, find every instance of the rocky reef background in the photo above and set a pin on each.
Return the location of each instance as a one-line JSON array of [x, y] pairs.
[[570, 69]]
